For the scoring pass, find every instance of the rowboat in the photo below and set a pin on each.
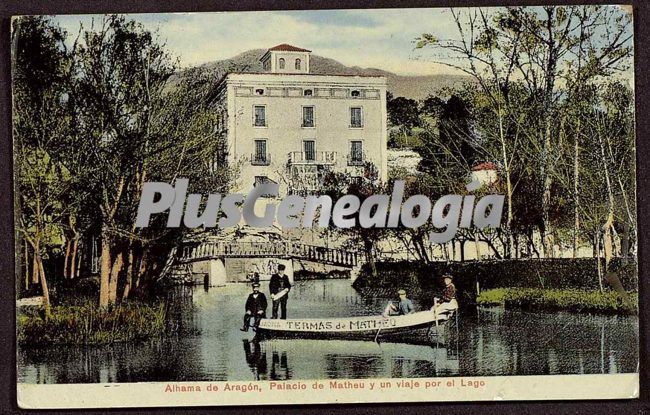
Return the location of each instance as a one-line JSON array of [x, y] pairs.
[[419, 327]]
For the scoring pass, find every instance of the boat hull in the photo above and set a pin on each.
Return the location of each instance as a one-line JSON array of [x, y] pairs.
[[416, 328]]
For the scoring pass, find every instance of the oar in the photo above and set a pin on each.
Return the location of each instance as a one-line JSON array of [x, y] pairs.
[[435, 315], [386, 311], [377, 335]]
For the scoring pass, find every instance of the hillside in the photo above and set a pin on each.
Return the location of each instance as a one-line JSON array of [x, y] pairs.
[[415, 87]]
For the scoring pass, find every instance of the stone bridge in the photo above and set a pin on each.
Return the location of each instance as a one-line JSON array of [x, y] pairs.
[[216, 263]]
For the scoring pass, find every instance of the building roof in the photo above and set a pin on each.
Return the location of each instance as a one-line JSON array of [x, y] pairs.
[[288, 48], [485, 166]]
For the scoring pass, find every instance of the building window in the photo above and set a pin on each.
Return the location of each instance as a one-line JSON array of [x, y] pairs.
[[260, 157], [309, 148], [297, 63], [281, 63], [307, 116], [260, 116], [308, 92], [259, 91], [356, 93], [356, 153], [356, 117]]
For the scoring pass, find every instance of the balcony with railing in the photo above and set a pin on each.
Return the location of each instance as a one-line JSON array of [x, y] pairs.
[[260, 159], [312, 157], [356, 158]]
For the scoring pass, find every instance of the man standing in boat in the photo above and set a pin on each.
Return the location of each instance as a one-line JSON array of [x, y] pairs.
[[403, 307], [448, 301], [255, 308], [279, 288]]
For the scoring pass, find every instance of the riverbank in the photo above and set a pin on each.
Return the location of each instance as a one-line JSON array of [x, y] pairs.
[[551, 283], [87, 324], [76, 318], [577, 300]]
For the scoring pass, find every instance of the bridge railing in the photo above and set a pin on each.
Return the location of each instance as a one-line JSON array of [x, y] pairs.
[[207, 250]]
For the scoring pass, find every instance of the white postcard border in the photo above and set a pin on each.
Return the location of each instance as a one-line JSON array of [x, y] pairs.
[[494, 388]]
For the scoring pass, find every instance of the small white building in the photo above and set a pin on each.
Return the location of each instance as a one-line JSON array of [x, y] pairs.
[[485, 173], [290, 126]]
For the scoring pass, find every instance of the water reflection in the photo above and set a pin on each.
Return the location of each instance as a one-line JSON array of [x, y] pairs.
[[282, 359], [502, 342], [255, 358], [488, 342]]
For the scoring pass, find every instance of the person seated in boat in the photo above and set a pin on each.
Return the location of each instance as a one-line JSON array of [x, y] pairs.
[[255, 308], [448, 301], [399, 308], [279, 286]]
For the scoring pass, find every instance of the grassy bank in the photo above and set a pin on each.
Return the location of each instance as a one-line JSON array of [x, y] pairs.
[[87, 324], [558, 299]]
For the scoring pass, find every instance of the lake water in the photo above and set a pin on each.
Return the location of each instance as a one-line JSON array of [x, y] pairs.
[[488, 342]]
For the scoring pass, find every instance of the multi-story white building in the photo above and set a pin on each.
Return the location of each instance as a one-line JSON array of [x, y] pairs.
[[290, 126]]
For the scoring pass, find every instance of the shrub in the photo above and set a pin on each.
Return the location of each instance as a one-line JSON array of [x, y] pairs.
[[565, 299], [88, 324]]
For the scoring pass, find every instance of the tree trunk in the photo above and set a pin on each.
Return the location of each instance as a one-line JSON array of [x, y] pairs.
[[130, 265], [551, 58], [419, 255], [105, 271], [26, 261], [625, 242], [73, 258], [516, 246], [609, 224], [423, 248], [142, 269], [115, 274], [35, 274], [66, 259], [547, 238], [509, 190], [367, 246], [598, 264], [608, 239], [461, 244], [576, 180], [40, 271], [46, 291]]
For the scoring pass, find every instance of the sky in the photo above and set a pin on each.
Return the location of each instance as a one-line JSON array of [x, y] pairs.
[[380, 38], [367, 38]]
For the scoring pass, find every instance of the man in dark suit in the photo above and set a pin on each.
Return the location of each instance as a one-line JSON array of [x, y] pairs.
[[279, 282], [255, 308]]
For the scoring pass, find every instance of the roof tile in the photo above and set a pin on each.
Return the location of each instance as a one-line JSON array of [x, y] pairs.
[[288, 48]]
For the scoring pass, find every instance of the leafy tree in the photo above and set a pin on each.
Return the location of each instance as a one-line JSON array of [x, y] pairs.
[[138, 127], [403, 113], [337, 184], [41, 120], [547, 48]]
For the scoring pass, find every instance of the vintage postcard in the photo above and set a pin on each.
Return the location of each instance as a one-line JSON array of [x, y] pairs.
[[325, 206]]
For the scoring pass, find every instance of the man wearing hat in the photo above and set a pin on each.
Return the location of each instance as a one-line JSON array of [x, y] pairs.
[[448, 301], [279, 288], [404, 306], [255, 308]]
